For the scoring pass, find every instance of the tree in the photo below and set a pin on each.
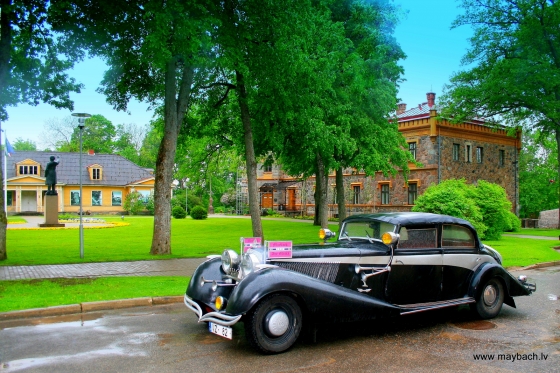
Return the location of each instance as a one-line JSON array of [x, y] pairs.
[[33, 61], [516, 56], [152, 49], [57, 134], [538, 165], [98, 135], [24, 145]]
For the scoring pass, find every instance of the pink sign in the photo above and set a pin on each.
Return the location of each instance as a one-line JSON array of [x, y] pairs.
[[279, 249], [250, 242]]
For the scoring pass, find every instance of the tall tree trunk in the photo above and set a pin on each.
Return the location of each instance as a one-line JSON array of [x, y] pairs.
[[321, 189], [340, 196], [5, 56], [250, 159], [557, 134], [175, 111], [3, 218]]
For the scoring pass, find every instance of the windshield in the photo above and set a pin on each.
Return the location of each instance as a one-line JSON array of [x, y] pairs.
[[366, 230]]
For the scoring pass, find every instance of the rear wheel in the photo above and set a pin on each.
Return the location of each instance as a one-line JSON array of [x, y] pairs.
[[274, 324], [490, 300]]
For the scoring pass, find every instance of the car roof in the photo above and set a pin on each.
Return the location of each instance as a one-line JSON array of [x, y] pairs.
[[407, 218]]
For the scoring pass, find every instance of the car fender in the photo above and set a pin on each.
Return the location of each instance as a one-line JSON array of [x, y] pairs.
[[325, 300], [486, 271]]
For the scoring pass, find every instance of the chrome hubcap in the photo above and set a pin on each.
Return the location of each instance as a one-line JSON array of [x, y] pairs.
[[490, 295], [277, 323]]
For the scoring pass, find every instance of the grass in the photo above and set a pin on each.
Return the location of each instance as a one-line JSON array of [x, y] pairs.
[[521, 252], [26, 294], [189, 239]]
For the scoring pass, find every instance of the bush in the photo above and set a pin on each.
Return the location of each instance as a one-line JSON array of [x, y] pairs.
[[133, 203], [485, 205], [178, 212], [513, 223], [199, 213]]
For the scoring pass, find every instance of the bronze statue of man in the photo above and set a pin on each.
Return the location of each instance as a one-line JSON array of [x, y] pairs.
[[50, 175]]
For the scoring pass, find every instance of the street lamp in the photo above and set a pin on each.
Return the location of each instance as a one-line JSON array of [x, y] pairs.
[[81, 124]]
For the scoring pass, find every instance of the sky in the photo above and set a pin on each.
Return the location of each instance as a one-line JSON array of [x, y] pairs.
[[433, 52]]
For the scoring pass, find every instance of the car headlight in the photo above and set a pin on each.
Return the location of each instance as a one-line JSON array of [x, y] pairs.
[[230, 261], [389, 238], [249, 263]]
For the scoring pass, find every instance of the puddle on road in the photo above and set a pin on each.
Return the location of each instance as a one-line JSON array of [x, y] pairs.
[[80, 318], [475, 325]]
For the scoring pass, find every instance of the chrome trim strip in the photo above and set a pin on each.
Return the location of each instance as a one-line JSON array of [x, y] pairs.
[[421, 307], [215, 317]]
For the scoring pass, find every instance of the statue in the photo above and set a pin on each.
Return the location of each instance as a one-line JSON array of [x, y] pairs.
[[50, 175]]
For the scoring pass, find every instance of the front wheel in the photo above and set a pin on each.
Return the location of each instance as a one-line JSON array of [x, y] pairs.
[[274, 324], [490, 300]]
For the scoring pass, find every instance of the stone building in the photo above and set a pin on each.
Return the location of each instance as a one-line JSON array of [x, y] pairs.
[[470, 150]]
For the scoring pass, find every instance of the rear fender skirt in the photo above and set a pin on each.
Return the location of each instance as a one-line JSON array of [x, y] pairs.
[[486, 271], [326, 301]]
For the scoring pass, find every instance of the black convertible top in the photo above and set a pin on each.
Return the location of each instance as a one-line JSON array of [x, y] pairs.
[[407, 218]]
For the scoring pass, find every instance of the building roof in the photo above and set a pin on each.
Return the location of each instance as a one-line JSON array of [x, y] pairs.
[[420, 110], [117, 170]]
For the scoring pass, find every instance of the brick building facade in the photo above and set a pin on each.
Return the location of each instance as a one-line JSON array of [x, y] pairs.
[[470, 150]]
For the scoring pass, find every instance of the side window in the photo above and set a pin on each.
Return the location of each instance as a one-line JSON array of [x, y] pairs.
[[457, 236], [412, 238]]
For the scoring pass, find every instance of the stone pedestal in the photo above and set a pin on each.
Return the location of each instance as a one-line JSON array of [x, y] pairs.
[[51, 212]]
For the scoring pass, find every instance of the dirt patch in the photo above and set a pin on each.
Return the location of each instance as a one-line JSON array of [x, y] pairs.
[[475, 325]]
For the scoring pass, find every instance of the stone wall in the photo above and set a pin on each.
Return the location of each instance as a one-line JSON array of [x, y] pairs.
[[548, 219]]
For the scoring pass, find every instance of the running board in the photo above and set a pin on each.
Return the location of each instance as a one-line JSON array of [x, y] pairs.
[[407, 309]]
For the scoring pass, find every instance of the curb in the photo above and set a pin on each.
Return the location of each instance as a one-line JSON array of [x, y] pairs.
[[90, 306], [543, 265]]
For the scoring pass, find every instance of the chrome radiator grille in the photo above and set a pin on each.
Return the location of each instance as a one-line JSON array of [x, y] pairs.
[[321, 271]]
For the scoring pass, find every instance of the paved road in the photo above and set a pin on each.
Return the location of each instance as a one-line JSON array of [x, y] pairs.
[[167, 338]]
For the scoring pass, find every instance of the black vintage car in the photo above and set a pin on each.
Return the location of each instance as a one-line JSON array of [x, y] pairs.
[[382, 265]]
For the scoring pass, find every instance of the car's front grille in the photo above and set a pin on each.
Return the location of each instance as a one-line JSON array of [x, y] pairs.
[[321, 271]]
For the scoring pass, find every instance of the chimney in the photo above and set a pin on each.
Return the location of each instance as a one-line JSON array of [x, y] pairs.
[[401, 108], [91, 152], [431, 99]]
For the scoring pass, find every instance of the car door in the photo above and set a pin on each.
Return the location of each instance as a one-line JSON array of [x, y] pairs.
[[460, 257], [416, 271]]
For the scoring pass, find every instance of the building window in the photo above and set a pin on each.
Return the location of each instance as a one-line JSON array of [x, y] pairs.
[[10, 198], [267, 168], [384, 194], [116, 198], [412, 193], [412, 149], [479, 154], [501, 157], [96, 174], [74, 198], [28, 170], [356, 189], [456, 148], [145, 196], [96, 198], [468, 153]]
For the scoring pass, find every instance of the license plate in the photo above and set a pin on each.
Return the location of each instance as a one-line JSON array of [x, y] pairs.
[[222, 331]]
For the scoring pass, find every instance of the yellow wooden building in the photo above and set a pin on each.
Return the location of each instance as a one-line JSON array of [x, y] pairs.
[[106, 181]]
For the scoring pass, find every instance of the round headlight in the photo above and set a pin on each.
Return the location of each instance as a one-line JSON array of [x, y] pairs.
[[249, 263], [230, 261], [389, 238]]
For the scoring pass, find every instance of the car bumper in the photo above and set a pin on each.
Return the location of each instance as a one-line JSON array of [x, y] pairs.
[[215, 317]]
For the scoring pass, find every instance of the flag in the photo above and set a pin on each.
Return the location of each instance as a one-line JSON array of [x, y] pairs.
[[9, 149]]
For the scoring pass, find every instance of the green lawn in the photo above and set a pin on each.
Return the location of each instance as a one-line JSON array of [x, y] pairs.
[[520, 252], [26, 294], [189, 239]]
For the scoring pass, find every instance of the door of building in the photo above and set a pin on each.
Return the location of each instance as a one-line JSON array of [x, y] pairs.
[[291, 199], [28, 201], [266, 200]]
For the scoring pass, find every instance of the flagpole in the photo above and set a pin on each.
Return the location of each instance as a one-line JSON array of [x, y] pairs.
[[4, 168]]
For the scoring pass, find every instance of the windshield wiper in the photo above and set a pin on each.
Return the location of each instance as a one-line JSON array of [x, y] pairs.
[[368, 237], [345, 236]]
